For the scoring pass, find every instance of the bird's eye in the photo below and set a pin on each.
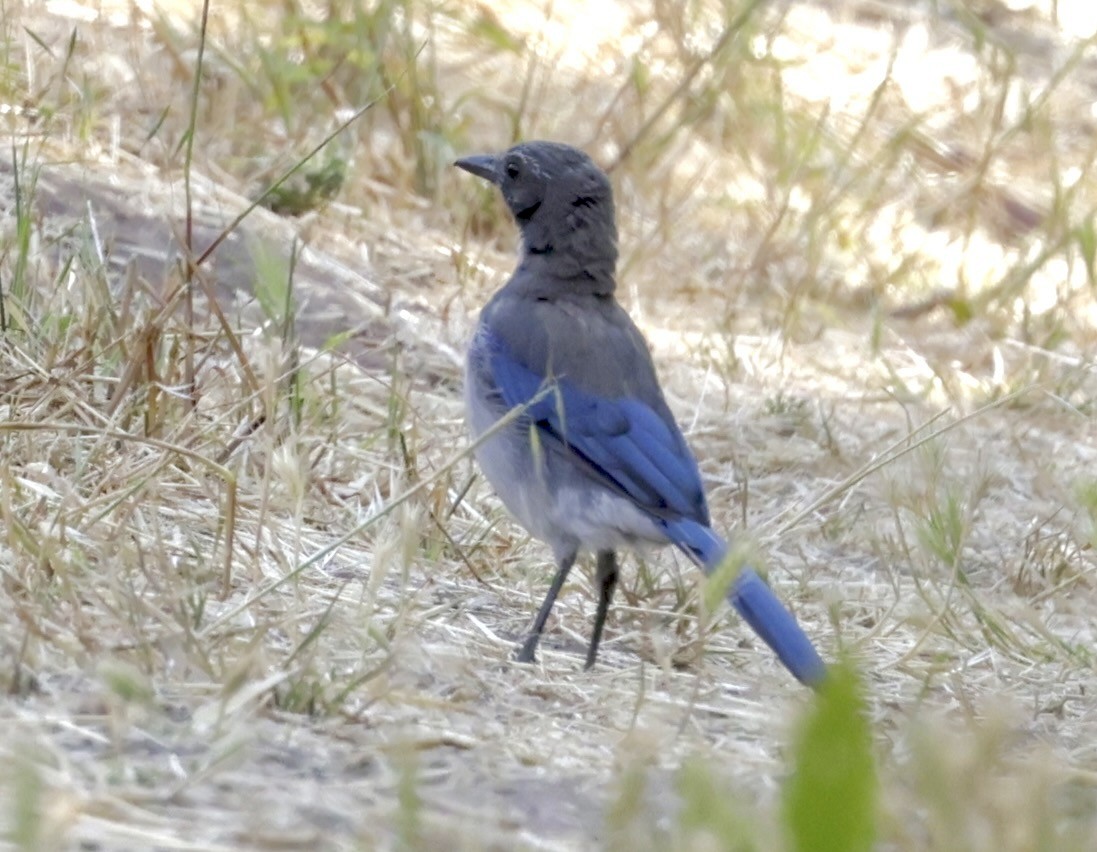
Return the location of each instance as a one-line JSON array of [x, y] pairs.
[[512, 170]]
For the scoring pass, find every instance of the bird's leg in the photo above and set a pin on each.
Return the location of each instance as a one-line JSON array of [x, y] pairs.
[[606, 580], [529, 647]]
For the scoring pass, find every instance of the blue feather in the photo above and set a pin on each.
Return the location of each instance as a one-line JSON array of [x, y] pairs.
[[638, 454], [624, 439]]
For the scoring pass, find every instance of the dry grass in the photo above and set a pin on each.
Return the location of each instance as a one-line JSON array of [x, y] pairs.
[[257, 597]]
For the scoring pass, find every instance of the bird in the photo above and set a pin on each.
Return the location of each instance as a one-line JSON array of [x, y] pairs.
[[568, 420]]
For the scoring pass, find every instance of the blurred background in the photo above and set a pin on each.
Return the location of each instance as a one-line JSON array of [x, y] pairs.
[[259, 597]]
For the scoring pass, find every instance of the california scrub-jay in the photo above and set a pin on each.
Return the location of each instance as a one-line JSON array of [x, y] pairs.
[[595, 460]]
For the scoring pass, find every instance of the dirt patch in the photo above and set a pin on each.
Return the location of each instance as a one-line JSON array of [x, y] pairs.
[[282, 616]]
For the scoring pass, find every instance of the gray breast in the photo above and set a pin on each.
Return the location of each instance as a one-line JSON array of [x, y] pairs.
[[546, 491]]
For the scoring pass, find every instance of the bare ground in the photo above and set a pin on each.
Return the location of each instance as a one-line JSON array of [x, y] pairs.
[[337, 673]]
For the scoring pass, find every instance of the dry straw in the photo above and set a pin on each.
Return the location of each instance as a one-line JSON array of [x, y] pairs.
[[257, 595]]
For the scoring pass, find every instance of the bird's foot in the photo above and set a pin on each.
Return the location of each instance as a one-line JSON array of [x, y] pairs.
[[528, 652]]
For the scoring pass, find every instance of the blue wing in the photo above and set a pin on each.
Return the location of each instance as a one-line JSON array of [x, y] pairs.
[[634, 451], [625, 442]]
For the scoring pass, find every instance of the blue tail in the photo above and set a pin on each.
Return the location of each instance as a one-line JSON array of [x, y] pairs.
[[754, 601]]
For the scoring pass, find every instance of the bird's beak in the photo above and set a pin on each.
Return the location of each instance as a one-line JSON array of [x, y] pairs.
[[481, 165]]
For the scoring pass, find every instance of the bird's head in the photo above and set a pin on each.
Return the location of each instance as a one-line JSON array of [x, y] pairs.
[[560, 199]]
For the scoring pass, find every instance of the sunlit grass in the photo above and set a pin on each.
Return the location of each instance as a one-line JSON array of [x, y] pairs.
[[256, 593]]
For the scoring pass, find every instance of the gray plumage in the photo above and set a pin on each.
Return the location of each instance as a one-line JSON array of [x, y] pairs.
[[597, 463]]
